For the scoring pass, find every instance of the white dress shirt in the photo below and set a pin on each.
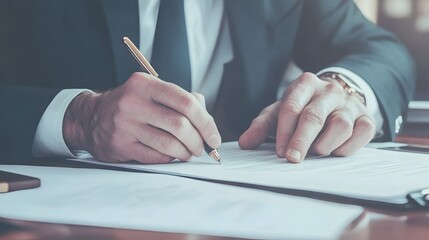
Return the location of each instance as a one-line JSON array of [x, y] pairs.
[[210, 47]]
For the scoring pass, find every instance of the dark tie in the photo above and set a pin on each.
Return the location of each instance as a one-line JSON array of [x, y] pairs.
[[170, 55]]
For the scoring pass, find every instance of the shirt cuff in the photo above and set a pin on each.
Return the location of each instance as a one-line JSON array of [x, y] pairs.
[[49, 140], [371, 100]]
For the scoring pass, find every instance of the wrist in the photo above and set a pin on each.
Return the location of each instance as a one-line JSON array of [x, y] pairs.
[[79, 120]]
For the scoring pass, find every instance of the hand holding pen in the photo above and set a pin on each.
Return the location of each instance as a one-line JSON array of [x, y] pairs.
[[145, 65], [144, 119]]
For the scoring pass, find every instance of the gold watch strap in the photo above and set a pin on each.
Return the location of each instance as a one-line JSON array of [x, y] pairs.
[[346, 83]]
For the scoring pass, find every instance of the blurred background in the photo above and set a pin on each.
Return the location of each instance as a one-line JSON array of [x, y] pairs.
[[409, 20]]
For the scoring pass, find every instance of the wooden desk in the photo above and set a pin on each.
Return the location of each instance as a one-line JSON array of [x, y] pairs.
[[373, 225]]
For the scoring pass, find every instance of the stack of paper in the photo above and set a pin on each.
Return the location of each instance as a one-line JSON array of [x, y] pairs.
[[370, 174], [170, 204], [418, 112]]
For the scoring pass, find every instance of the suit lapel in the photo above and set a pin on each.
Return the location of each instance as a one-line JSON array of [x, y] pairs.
[[122, 19]]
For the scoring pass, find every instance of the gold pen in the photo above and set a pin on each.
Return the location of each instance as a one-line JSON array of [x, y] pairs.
[[144, 63]]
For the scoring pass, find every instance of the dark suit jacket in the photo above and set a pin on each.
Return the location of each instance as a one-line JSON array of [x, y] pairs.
[[50, 45]]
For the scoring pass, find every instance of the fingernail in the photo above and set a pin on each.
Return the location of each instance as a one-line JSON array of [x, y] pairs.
[[214, 140], [295, 155], [281, 151]]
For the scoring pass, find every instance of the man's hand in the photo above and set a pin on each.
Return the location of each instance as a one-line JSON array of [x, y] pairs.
[[313, 115], [144, 119]]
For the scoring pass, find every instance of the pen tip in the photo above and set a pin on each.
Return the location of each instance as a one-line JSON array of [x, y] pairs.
[[215, 155]]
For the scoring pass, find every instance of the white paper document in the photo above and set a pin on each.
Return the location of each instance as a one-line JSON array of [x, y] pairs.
[[370, 174], [170, 204]]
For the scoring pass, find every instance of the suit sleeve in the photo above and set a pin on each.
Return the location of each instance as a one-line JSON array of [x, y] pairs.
[[23, 99], [334, 33], [21, 109]]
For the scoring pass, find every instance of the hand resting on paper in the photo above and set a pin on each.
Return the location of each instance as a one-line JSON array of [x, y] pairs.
[[313, 115]]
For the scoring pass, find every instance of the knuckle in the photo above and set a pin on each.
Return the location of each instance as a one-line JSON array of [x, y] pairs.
[[300, 143], [136, 79], [292, 87], [295, 90], [334, 88], [286, 135], [135, 75], [199, 96], [366, 124], [308, 77], [178, 123], [166, 114], [291, 108], [167, 143], [188, 103], [314, 115], [344, 122]]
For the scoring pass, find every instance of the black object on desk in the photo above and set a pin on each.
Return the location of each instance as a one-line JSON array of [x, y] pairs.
[[10, 182]]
